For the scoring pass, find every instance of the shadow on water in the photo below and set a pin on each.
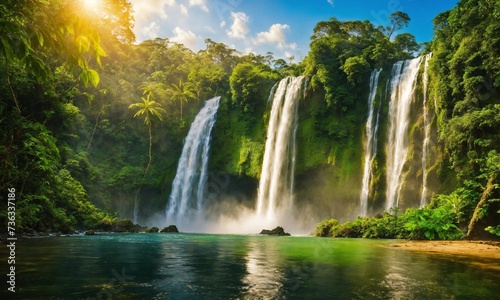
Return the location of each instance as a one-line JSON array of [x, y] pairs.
[[203, 266]]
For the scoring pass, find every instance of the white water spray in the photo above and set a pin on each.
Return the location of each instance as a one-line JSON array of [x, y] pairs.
[[403, 81], [427, 129], [186, 201]]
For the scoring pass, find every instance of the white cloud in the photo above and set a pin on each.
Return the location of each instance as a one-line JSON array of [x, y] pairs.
[[275, 35], [146, 9], [330, 1], [289, 56], [222, 24], [187, 38], [249, 50], [239, 28], [151, 30], [210, 29], [184, 10], [292, 46], [200, 3]]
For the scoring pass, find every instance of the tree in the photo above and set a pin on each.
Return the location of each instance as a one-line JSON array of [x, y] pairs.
[[406, 44], [398, 20], [467, 86], [148, 108], [153, 89], [116, 16], [356, 68], [33, 32], [181, 92]]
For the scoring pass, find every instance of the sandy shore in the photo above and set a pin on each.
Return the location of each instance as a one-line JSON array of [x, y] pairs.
[[481, 253]]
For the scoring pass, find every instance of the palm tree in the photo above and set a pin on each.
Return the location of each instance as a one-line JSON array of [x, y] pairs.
[[181, 92], [148, 108], [153, 89]]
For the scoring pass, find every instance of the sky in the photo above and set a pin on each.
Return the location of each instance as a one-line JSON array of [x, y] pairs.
[[282, 27]]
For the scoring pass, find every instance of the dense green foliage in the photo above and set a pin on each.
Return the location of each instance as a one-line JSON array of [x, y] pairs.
[[72, 149], [71, 83], [438, 220], [465, 83]]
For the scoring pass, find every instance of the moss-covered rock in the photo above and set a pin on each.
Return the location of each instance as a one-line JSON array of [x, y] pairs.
[[123, 226], [170, 229], [153, 230], [278, 231]]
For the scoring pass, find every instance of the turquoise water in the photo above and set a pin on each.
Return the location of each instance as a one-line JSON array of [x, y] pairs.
[[201, 266]]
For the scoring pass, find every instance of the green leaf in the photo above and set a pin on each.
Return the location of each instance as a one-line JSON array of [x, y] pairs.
[[93, 77], [40, 38], [7, 49], [84, 76]]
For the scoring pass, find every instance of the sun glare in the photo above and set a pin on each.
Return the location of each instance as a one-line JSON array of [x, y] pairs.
[[92, 5]]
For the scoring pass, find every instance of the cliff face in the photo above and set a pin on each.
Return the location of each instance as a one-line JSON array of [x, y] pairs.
[[329, 165]]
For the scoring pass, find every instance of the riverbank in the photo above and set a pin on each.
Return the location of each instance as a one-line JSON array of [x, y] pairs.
[[482, 253]]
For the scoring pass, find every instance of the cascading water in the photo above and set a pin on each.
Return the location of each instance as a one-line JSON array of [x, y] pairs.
[[276, 180], [403, 82], [188, 187], [371, 142], [427, 130]]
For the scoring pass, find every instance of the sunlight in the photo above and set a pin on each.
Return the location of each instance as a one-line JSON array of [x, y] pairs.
[[92, 5]]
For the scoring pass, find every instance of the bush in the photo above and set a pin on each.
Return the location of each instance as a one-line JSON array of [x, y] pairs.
[[437, 220], [323, 228]]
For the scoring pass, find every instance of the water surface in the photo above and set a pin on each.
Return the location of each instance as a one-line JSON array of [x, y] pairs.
[[202, 266]]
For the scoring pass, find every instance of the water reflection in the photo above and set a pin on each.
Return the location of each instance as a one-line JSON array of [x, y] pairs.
[[191, 266], [264, 278]]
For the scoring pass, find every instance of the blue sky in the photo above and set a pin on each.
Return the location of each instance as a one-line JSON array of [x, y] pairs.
[[282, 27]]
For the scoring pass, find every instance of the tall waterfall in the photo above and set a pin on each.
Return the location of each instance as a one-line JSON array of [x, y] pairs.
[[427, 130], [403, 82], [371, 142], [188, 187], [276, 180]]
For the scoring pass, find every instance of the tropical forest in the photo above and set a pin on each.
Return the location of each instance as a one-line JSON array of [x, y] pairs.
[[143, 169]]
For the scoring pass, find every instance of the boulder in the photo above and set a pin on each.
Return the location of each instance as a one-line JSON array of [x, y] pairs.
[[123, 226], [278, 231], [153, 230], [90, 232], [170, 228]]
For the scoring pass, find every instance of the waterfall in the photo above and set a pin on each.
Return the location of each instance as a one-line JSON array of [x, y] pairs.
[[276, 180], [271, 94], [427, 131], [371, 142], [403, 82], [188, 187]]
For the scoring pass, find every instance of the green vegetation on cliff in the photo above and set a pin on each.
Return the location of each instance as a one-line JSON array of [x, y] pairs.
[[77, 156], [465, 85]]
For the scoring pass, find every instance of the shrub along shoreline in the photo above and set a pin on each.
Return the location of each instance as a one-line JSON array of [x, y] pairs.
[[439, 220]]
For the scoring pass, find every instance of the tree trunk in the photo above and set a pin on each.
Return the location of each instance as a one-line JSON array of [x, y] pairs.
[[484, 198], [150, 146], [136, 202], [97, 119]]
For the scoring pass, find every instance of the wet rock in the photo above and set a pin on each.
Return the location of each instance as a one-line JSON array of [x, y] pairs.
[[170, 228], [123, 226], [153, 230], [90, 232], [105, 226], [278, 231]]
